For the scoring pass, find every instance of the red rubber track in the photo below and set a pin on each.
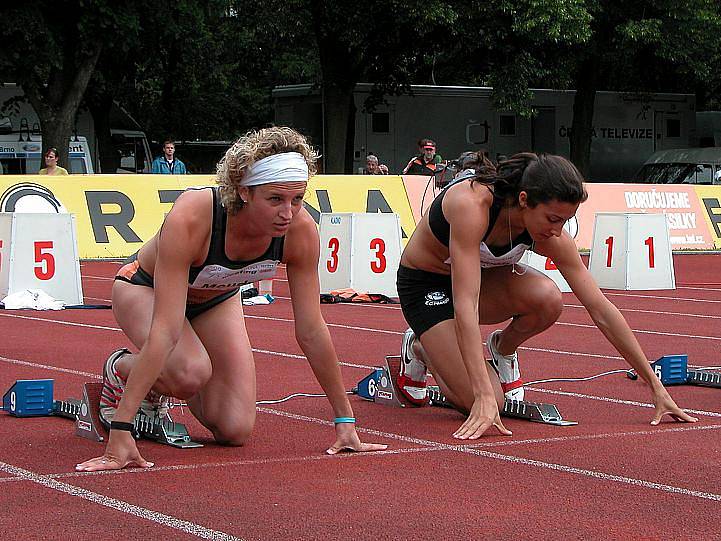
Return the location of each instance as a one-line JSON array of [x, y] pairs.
[[613, 476]]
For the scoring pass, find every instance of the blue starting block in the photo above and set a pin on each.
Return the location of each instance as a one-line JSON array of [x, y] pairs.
[[673, 370], [34, 398], [29, 398]]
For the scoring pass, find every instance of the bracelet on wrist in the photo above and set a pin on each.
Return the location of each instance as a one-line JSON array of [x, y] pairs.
[[120, 425], [340, 420]]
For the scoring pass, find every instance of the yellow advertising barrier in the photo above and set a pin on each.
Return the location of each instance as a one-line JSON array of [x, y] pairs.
[[710, 197], [693, 213], [116, 214]]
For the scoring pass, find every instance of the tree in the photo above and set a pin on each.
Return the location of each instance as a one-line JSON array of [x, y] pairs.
[[642, 46], [51, 50]]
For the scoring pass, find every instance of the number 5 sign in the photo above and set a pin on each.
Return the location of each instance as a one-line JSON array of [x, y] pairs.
[[360, 251], [39, 251], [632, 251]]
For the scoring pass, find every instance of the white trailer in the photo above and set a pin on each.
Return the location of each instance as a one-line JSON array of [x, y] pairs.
[[628, 128]]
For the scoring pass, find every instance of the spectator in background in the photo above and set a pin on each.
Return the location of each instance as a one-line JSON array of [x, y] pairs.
[[168, 164], [373, 167], [427, 161], [51, 164]]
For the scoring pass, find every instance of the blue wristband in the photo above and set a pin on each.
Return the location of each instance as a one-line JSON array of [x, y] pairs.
[[339, 420]]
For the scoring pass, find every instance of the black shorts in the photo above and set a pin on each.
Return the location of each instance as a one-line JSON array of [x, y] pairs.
[[426, 298], [132, 273]]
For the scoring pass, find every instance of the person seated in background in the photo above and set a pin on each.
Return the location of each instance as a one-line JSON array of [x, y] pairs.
[[373, 167], [427, 161], [51, 164]]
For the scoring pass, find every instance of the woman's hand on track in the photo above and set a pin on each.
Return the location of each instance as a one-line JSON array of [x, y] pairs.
[[347, 441], [121, 452], [484, 414], [666, 406]]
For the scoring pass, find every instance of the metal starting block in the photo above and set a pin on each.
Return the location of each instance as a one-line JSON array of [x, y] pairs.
[[378, 386], [673, 370], [34, 398]]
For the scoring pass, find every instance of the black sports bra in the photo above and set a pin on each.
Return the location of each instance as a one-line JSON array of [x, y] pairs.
[[217, 260], [441, 229]]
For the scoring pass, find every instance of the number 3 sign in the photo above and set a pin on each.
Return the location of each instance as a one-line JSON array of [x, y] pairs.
[[632, 251], [359, 251], [39, 251]]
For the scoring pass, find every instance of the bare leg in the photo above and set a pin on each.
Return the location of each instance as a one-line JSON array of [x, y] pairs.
[[211, 367], [531, 301], [226, 403], [188, 367]]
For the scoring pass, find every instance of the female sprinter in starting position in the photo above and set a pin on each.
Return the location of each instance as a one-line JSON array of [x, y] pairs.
[[445, 293], [177, 300]]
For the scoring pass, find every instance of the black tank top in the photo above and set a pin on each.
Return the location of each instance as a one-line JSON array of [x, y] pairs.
[[220, 272], [441, 229]]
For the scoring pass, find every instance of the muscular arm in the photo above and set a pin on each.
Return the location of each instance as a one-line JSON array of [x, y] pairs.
[[302, 252], [178, 242], [468, 218], [562, 250]]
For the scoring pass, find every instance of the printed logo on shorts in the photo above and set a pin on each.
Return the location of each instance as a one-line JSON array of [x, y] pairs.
[[436, 298]]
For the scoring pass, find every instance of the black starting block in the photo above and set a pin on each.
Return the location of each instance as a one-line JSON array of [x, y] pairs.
[[673, 370], [34, 398], [378, 386]]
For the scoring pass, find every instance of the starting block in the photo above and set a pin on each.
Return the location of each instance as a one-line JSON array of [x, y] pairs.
[[378, 387], [34, 398], [673, 370]]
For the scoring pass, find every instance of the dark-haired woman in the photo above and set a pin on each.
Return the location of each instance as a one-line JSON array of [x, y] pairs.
[[461, 268], [51, 163]]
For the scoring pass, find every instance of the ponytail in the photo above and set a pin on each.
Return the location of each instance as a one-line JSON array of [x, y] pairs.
[[544, 178]]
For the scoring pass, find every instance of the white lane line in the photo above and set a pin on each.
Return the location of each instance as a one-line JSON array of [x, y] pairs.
[[659, 297], [49, 367], [618, 401], [519, 460], [119, 505], [642, 331], [605, 435], [660, 312], [223, 465], [323, 456]]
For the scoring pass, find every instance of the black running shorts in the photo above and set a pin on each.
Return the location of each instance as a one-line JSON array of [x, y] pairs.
[[426, 298]]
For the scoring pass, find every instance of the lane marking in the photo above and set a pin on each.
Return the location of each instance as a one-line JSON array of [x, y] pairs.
[[661, 312], [618, 401], [291, 460], [519, 460], [351, 327], [119, 505], [660, 297], [210, 465]]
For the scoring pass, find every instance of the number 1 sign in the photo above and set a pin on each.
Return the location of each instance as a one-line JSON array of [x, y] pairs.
[[632, 251], [39, 251], [360, 251]]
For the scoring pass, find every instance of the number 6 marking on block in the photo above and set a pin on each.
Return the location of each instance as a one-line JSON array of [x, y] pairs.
[[44, 257], [379, 246]]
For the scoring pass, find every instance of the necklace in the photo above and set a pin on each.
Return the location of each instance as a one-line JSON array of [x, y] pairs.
[[510, 241]]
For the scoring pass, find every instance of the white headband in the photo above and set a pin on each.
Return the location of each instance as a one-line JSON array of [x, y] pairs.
[[285, 167]]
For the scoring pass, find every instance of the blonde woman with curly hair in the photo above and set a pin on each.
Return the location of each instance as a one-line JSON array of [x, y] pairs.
[[177, 301]]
